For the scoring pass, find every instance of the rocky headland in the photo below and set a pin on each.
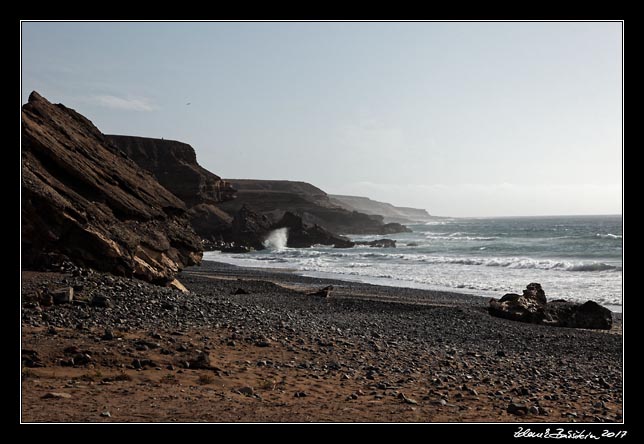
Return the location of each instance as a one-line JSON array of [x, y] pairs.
[[84, 201], [276, 197]]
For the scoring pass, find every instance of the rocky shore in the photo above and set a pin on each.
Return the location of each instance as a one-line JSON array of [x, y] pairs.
[[257, 346]]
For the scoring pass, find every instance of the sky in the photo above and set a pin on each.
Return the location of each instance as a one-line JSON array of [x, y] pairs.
[[476, 119]]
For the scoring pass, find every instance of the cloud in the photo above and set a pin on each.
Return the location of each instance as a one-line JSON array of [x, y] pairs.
[[130, 104]]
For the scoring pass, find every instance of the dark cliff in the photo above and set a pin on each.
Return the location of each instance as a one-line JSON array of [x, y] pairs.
[[84, 200], [390, 212], [276, 197], [175, 166]]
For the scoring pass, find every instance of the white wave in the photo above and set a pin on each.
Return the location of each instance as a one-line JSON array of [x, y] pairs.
[[519, 263], [457, 237], [609, 236]]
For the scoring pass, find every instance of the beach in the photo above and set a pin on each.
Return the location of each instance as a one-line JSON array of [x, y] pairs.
[[274, 352]]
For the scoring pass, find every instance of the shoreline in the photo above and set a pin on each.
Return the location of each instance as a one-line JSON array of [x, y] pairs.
[[380, 282], [366, 353]]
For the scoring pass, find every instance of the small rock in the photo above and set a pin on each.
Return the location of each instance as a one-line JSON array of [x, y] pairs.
[[56, 395], [300, 394], [263, 343], [534, 410], [108, 335], [500, 354], [240, 290], [82, 359], [406, 400], [106, 414], [247, 391], [102, 301], [63, 295], [202, 361], [323, 292], [517, 409]]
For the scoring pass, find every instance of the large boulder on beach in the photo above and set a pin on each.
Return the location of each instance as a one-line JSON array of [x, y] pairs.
[[587, 315], [528, 307], [84, 200], [533, 307]]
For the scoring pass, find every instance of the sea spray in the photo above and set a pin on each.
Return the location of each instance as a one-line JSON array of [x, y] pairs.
[[277, 239]]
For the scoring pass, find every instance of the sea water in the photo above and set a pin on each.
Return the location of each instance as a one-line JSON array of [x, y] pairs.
[[573, 257]]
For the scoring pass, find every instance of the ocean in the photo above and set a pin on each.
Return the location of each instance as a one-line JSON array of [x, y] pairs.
[[577, 258]]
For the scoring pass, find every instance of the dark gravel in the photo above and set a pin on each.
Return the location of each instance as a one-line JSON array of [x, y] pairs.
[[526, 362]]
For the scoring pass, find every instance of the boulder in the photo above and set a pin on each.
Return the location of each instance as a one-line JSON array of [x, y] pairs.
[[588, 315], [84, 200], [533, 307]]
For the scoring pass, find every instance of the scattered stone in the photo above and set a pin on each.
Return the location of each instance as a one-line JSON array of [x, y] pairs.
[[247, 391], [102, 301], [108, 335], [63, 295], [82, 359], [201, 361], [323, 292], [517, 409], [106, 414], [405, 399], [56, 395], [300, 394]]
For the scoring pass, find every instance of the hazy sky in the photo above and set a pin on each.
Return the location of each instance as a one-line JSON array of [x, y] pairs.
[[463, 119]]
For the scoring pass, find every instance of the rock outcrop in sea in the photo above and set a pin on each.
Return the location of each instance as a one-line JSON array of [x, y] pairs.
[[84, 200], [533, 307], [249, 230]]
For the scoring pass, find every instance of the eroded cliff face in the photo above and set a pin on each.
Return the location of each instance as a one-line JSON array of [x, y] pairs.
[[175, 166], [84, 200], [276, 197]]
